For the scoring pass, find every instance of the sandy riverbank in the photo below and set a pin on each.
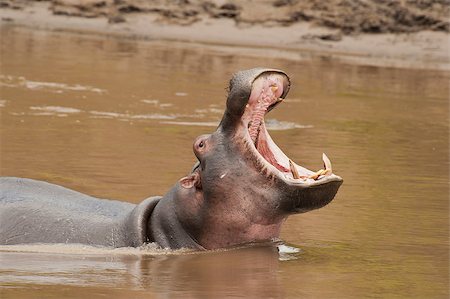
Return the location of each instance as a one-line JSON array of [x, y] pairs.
[[420, 47]]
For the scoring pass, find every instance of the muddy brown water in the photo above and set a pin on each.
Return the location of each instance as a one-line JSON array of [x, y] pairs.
[[116, 119]]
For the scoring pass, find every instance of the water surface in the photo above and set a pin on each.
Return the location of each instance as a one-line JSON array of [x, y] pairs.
[[116, 118]]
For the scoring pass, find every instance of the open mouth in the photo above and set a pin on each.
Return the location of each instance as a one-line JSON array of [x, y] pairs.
[[266, 95]]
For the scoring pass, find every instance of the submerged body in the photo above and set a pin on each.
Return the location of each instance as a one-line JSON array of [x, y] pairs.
[[241, 190], [38, 212]]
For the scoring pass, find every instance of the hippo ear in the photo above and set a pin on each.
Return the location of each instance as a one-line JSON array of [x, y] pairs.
[[193, 180]]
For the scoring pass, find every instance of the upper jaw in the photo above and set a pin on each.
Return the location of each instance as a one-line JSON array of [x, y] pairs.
[[239, 92]]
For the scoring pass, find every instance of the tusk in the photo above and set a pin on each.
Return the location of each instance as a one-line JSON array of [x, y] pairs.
[[327, 164], [293, 170]]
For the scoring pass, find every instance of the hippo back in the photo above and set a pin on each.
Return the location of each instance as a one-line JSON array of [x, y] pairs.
[[38, 212]]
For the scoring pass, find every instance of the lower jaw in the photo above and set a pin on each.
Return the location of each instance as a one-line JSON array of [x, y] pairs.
[[291, 171]]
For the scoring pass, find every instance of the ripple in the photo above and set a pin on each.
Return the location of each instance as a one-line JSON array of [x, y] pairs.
[[13, 81], [151, 102], [276, 125], [287, 253], [271, 124], [101, 114], [192, 123], [165, 105], [146, 249], [61, 86], [55, 109], [209, 110]]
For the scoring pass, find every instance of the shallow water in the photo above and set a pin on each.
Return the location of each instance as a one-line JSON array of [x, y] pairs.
[[116, 119]]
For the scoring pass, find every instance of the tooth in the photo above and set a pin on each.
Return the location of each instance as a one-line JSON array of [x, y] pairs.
[[316, 175], [327, 164], [274, 88], [293, 169]]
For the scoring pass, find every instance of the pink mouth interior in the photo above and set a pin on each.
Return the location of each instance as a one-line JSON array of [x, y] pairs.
[[263, 148], [265, 95]]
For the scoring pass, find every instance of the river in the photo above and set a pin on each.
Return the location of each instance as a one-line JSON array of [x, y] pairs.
[[116, 118]]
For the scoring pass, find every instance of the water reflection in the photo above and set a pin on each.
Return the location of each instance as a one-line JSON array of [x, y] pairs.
[[218, 275]]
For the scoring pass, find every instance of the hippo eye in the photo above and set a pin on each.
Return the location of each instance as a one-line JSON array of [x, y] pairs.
[[201, 144]]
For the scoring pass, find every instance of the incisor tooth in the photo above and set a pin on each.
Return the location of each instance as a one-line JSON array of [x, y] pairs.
[[293, 169], [327, 164], [316, 175]]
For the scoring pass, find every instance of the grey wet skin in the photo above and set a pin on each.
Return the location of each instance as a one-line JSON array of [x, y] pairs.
[[240, 191], [38, 212]]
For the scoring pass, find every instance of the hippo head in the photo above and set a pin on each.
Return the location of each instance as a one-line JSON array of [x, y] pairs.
[[244, 186]]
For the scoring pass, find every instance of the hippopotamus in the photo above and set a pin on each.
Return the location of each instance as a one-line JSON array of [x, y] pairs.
[[240, 191]]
